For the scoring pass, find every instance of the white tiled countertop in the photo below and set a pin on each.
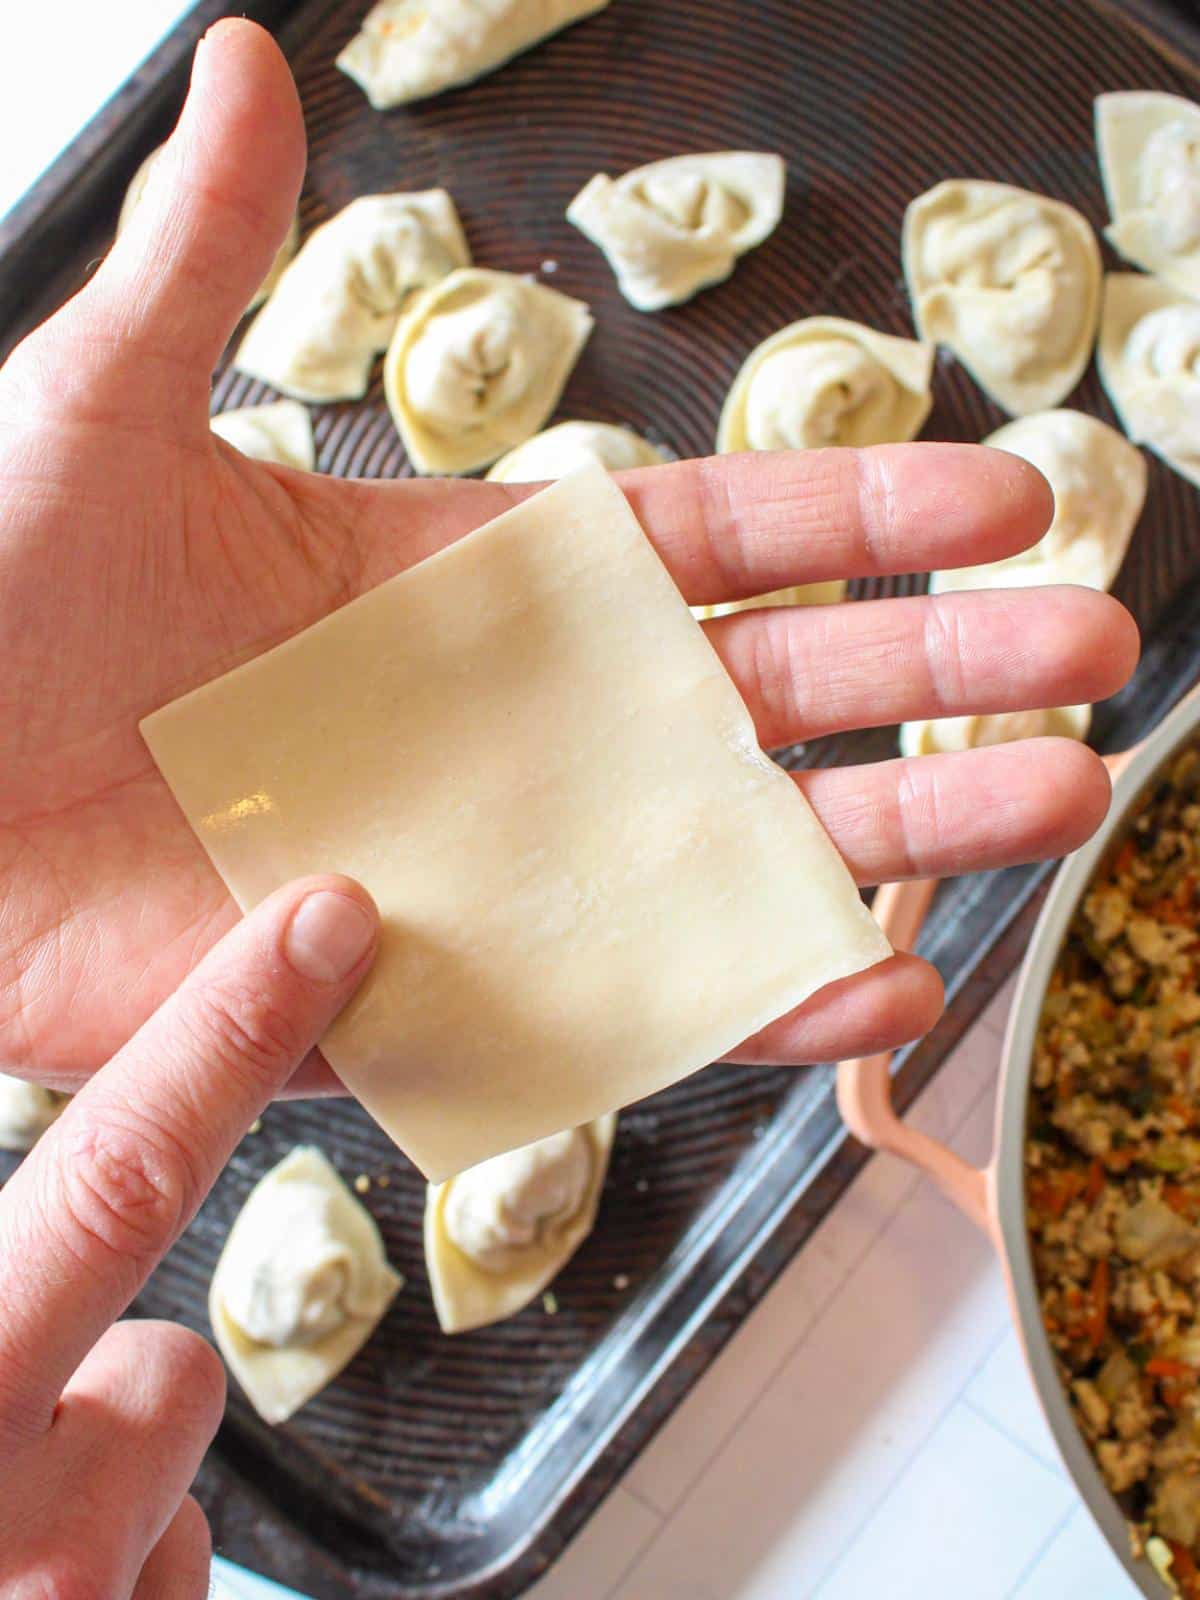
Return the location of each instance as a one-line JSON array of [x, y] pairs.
[[870, 1431]]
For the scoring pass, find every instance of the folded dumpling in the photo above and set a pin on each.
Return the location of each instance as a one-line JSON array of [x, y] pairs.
[[336, 305], [300, 1285], [409, 49], [1010, 282], [1099, 484], [1149, 147], [568, 445], [26, 1111], [1149, 360], [676, 226], [497, 1234], [477, 365], [137, 188], [826, 381], [929, 737], [280, 431]]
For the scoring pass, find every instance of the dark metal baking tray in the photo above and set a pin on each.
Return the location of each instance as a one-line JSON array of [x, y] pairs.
[[460, 1467]]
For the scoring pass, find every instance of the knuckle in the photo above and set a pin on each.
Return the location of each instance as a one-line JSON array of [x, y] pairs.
[[870, 493], [720, 518], [947, 648], [124, 1191], [777, 674], [913, 822]]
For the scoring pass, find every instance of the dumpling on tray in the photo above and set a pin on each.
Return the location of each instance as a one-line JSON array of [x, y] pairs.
[[337, 304], [937, 736], [497, 1234], [1149, 149], [26, 1111], [827, 381], [1099, 483], [676, 226], [477, 365], [1149, 360], [410, 49], [569, 445], [279, 431], [1009, 281], [300, 1285]]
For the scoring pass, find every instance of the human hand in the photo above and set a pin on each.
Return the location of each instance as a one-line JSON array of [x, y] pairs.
[[140, 556], [103, 1423]]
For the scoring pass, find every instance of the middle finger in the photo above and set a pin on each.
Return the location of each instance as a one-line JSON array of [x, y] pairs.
[[805, 671]]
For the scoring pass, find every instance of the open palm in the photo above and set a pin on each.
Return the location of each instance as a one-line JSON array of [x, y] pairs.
[[139, 556]]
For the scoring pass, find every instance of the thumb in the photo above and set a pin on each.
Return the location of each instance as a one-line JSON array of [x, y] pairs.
[[216, 207]]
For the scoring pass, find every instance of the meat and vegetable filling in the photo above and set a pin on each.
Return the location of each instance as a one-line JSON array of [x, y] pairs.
[[1113, 1171]]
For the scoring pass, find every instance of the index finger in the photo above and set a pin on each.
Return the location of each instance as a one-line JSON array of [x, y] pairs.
[[109, 1188], [731, 527]]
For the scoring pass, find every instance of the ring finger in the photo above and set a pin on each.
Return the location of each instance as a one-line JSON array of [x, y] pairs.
[[937, 816]]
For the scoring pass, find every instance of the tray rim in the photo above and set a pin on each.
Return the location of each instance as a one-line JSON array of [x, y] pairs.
[[94, 165]]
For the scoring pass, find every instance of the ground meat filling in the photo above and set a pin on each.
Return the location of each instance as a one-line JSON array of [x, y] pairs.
[[1113, 1171]]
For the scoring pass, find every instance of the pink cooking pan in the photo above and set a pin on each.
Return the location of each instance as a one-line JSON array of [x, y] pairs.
[[993, 1197]]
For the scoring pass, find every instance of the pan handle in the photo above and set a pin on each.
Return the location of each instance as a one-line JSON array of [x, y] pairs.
[[1120, 759], [864, 1087]]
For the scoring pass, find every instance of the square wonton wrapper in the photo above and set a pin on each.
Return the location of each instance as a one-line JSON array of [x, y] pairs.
[[592, 880]]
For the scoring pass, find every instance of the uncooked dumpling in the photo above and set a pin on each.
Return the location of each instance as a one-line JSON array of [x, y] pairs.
[[676, 226], [336, 306], [300, 1285], [497, 1234], [826, 381], [409, 49], [477, 365], [137, 188], [1010, 282], [568, 445], [26, 1111], [1099, 484], [930, 737], [1149, 360], [280, 431], [1149, 147]]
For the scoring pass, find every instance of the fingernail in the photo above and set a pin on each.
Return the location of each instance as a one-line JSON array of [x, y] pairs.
[[328, 936]]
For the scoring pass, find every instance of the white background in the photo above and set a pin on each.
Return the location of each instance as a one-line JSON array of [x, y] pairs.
[[58, 63], [871, 1431]]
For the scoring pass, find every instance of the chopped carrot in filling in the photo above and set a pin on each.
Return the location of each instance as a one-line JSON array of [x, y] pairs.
[[1113, 1170]]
